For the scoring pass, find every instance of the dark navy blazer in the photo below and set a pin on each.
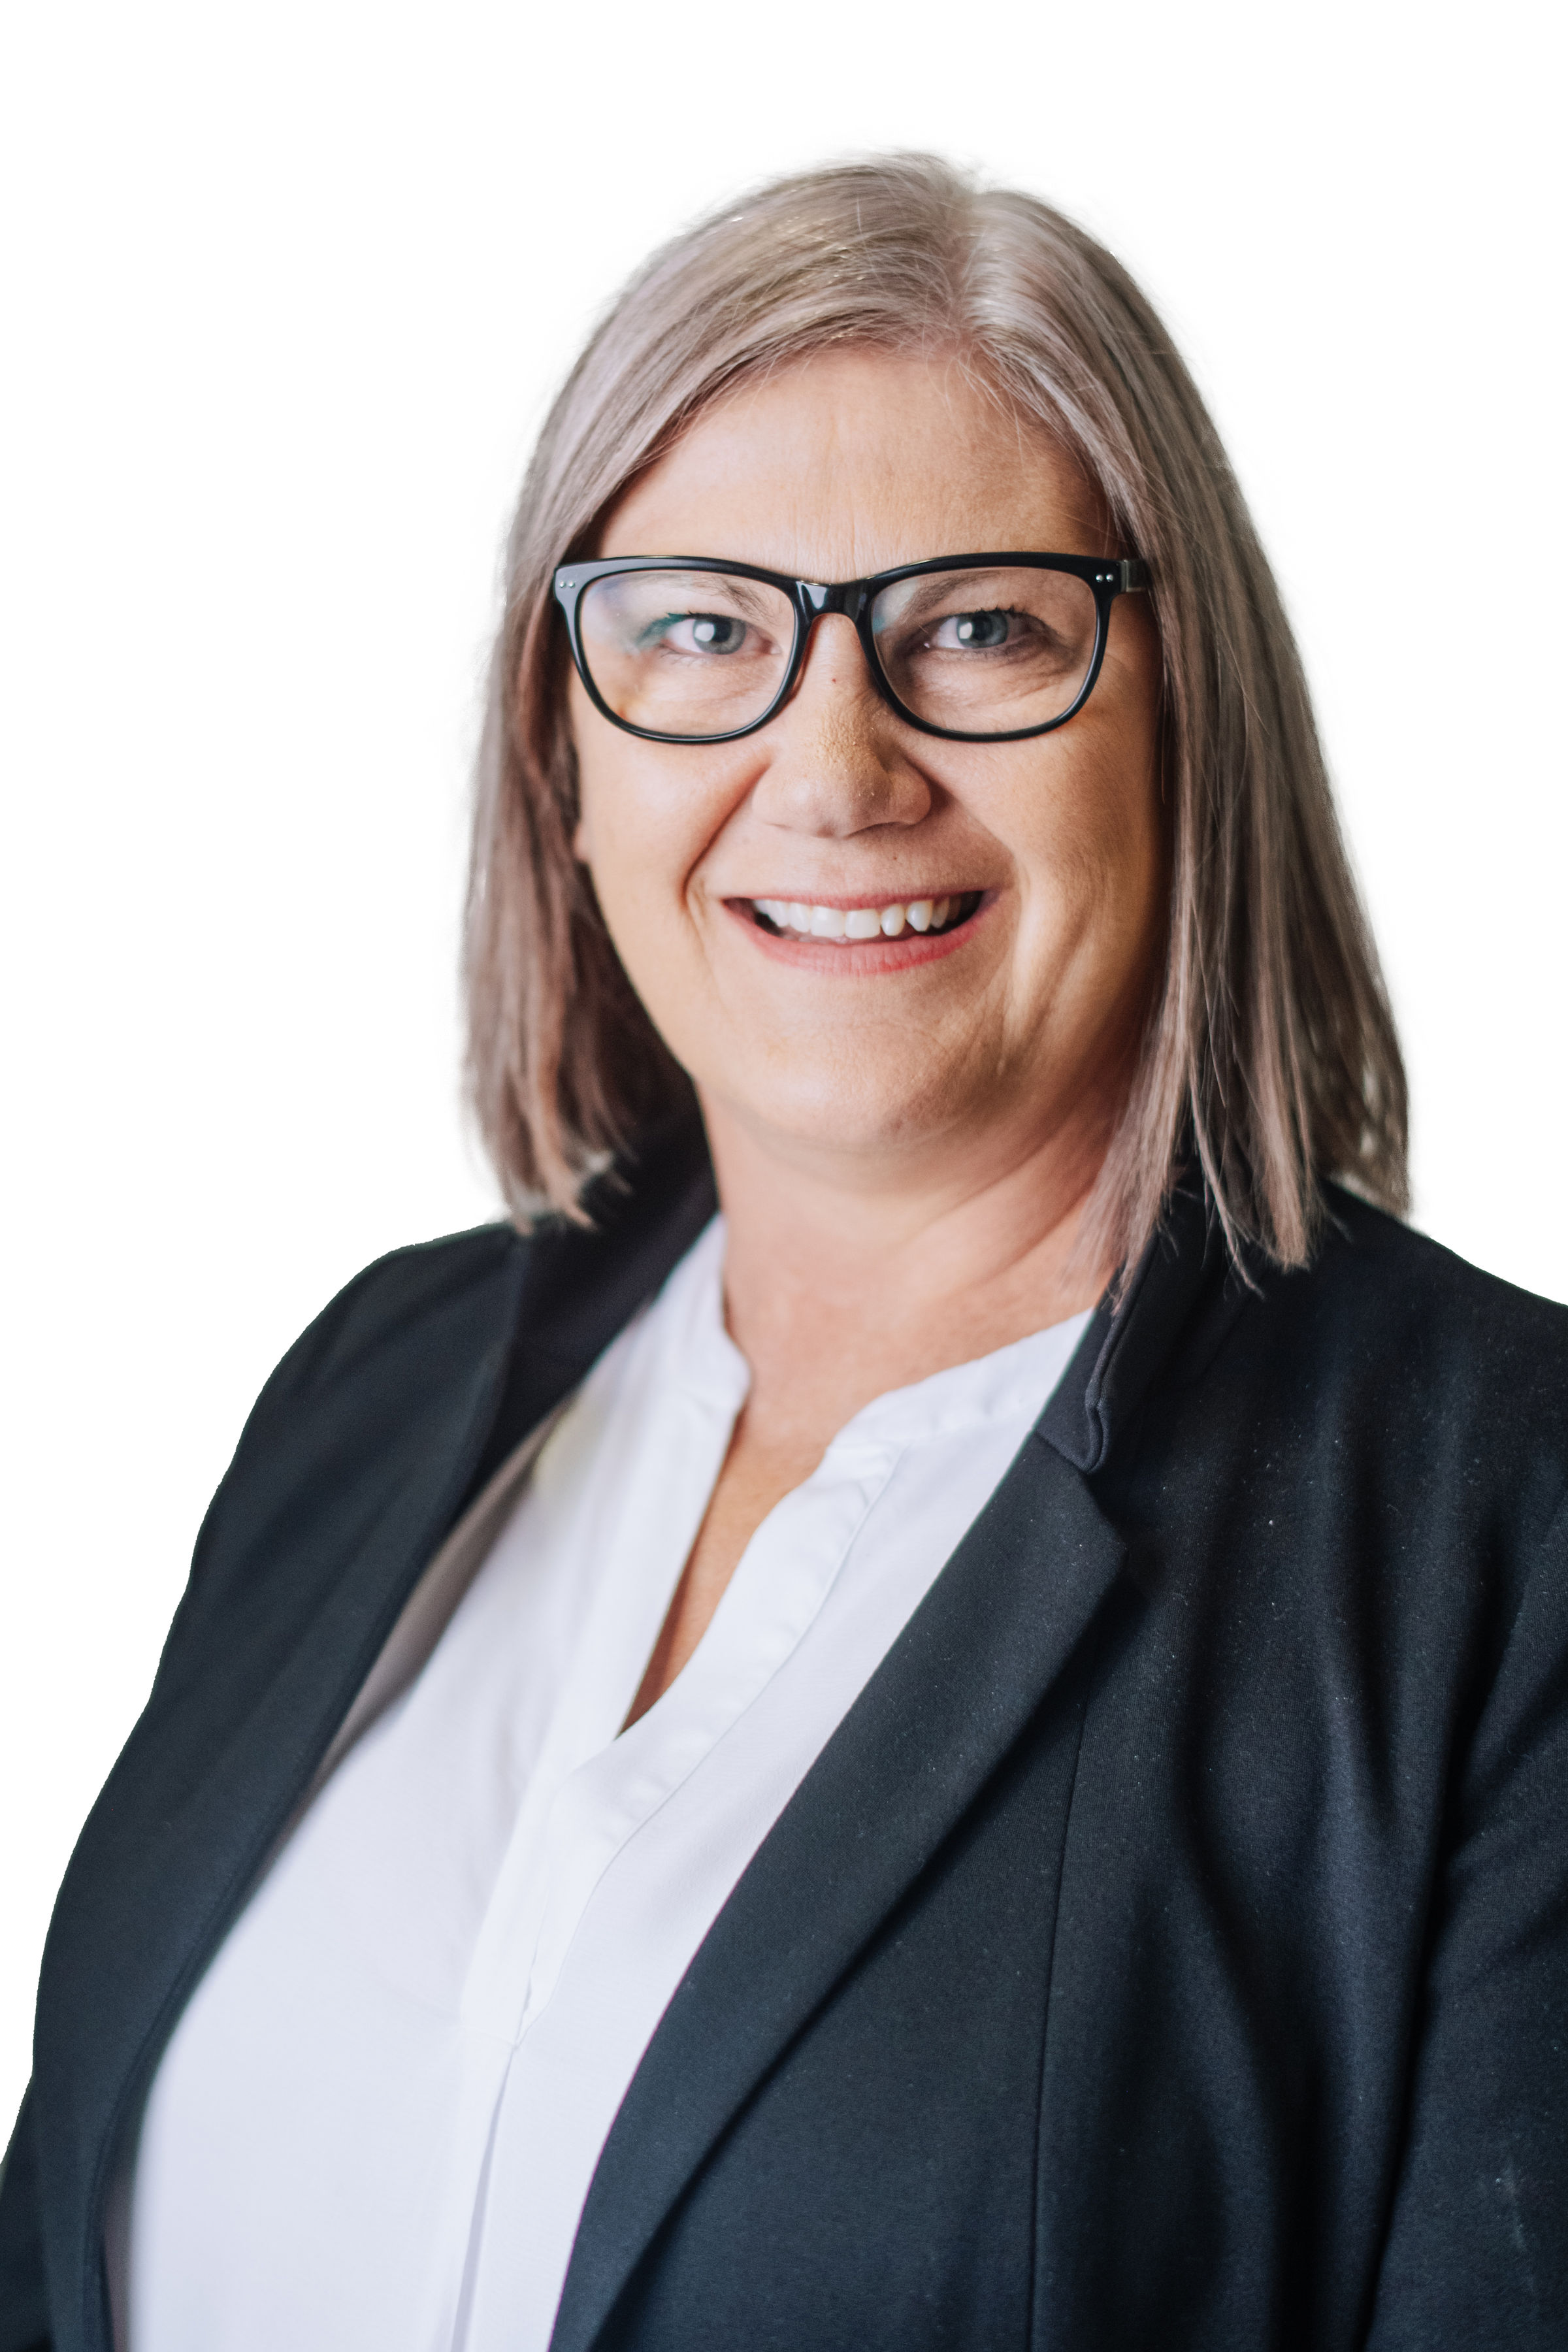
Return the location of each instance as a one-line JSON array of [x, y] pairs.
[[1169, 1951]]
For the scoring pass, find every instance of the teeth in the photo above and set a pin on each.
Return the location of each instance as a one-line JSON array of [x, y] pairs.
[[858, 922]]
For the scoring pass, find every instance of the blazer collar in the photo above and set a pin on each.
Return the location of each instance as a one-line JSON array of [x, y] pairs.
[[1127, 1345], [583, 1283]]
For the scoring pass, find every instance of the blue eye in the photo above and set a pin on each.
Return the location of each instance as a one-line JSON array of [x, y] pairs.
[[976, 632], [697, 633], [719, 633]]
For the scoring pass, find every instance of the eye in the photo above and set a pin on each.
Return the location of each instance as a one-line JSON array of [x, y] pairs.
[[973, 632], [698, 632]]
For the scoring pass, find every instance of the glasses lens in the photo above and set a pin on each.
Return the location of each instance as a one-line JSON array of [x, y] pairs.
[[685, 653], [988, 652]]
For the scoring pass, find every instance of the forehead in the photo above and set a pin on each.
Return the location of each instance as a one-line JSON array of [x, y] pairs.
[[851, 462]]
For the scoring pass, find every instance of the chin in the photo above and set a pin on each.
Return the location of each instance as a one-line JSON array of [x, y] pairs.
[[849, 1115]]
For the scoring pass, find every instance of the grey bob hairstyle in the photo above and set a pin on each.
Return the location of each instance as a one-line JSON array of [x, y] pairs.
[[1269, 1054]]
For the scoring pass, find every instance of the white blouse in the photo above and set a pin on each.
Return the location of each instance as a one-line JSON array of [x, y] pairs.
[[376, 2123]]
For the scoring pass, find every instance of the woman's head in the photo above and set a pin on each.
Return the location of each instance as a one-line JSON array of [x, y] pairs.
[[1159, 946], [942, 1050]]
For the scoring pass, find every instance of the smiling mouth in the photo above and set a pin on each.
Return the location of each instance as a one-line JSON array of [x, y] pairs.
[[788, 919]]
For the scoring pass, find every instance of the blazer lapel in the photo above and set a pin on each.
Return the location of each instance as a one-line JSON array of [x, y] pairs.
[[939, 1715]]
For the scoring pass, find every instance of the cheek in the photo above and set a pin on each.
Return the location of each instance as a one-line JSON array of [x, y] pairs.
[[1091, 858], [1093, 839], [626, 813], [644, 823], [627, 852]]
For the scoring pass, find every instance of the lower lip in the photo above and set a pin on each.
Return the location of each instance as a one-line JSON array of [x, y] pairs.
[[859, 959]]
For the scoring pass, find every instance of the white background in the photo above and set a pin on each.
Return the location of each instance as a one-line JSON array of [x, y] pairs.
[[286, 290]]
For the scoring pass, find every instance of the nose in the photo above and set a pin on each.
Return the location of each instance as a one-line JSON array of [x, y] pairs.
[[836, 760]]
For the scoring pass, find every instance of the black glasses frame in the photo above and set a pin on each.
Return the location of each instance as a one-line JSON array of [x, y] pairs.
[[812, 599]]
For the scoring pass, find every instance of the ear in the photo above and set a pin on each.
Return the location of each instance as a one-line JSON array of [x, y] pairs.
[[581, 846]]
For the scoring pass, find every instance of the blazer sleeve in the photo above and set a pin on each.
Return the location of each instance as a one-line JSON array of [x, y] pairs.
[[24, 2305], [1477, 2247]]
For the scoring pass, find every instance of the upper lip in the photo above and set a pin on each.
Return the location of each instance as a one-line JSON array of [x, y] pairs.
[[900, 896]]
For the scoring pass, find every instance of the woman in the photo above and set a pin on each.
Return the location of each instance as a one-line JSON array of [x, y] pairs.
[[973, 1751]]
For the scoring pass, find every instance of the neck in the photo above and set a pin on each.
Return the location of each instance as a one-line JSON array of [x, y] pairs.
[[846, 1278]]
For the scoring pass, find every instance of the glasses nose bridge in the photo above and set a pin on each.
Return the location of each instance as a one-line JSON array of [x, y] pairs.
[[846, 599], [819, 599]]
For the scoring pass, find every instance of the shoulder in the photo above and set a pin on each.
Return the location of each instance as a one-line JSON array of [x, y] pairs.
[[1394, 1295], [406, 1331], [413, 1300], [1391, 1365], [565, 1285], [416, 1379], [384, 1382]]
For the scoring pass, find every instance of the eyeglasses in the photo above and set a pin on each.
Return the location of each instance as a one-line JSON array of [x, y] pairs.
[[978, 648]]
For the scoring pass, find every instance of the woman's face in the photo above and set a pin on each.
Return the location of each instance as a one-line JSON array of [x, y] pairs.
[[1016, 1025]]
